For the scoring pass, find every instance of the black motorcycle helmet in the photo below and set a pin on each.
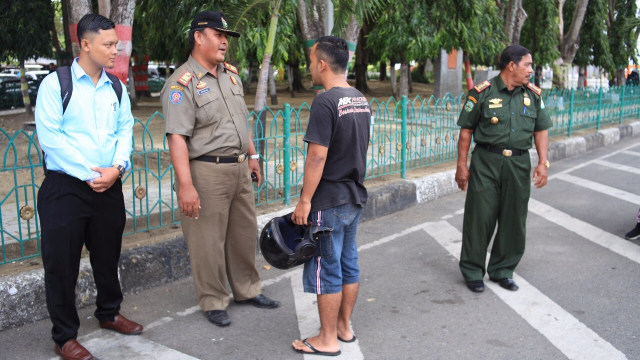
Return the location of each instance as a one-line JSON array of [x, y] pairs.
[[285, 244]]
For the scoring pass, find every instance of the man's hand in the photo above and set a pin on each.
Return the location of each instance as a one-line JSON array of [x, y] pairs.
[[189, 201], [301, 213], [462, 177], [254, 167], [108, 177], [540, 176]]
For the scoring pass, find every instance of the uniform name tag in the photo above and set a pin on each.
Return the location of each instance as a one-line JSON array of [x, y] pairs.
[[493, 106]]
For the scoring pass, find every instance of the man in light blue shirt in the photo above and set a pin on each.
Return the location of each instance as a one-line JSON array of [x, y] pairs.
[[87, 146]]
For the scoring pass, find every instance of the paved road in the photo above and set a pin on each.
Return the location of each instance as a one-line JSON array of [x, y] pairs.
[[579, 288]]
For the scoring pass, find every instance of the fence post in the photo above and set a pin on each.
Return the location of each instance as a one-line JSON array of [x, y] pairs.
[[599, 109], [403, 152], [286, 142], [571, 99], [621, 104]]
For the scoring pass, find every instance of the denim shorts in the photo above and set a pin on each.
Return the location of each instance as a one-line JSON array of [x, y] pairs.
[[336, 260]]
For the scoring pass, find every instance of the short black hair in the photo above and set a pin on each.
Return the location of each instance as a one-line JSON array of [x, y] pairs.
[[192, 41], [334, 51], [513, 53], [93, 23]]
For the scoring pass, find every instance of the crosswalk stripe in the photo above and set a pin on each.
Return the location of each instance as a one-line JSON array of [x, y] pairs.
[[309, 322], [601, 188], [596, 235], [617, 166], [547, 317], [109, 345]]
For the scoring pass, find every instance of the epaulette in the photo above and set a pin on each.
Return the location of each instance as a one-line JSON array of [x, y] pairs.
[[231, 68], [185, 78], [534, 88], [482, 86]]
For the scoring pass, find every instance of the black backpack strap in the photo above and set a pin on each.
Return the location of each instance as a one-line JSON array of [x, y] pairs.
[[116, 84], [66, 85]]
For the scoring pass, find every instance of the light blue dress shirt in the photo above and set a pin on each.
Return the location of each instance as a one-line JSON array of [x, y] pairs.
[[96, 129]]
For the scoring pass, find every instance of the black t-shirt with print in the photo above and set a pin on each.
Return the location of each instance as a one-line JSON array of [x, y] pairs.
[[340, 120]]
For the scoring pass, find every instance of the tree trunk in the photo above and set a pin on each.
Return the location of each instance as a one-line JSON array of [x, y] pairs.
[[392, 76], [296, 77], [104, 8], [467, 70], [514, 19], [311, 22], [290, 80], [409, 80], [620, 79], [383, 71], [351, 35], [77, 9], [362, 61], [68, 49], [122, 15], [569, 42], [24, 87], [538, 76], [404, 78], [272, 86]]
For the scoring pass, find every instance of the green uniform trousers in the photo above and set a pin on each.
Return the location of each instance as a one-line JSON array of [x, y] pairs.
[[498, 191]]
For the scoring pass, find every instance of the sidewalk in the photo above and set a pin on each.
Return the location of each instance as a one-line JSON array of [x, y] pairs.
[[23, 298]]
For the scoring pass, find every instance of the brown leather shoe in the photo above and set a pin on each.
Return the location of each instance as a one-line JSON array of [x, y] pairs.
[[72, 350], [122, 325]]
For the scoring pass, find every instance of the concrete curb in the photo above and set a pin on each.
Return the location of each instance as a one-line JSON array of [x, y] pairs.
[[23, 297]]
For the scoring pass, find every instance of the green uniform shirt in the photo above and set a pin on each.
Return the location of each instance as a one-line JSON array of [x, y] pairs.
[[209, 111], [516, 115]]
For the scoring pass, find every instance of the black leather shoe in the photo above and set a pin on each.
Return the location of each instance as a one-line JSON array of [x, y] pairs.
[[260, 301], [218, 317], [476, 286], [507, 283]]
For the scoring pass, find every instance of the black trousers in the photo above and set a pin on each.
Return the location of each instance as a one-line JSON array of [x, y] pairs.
[[72, 215]]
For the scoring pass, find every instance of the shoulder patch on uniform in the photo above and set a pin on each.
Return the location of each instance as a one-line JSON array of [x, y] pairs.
[[482, 86], [472, 99], [231, 68], [185, 78], [534, 88]]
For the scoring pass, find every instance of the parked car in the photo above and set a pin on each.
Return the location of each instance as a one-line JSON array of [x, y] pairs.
[[36, 75], [11, 93], [5, 76], [156, 83]]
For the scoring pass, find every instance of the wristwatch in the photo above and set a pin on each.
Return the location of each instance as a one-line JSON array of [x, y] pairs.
[[547, 164], [120, 168], [254, 157]]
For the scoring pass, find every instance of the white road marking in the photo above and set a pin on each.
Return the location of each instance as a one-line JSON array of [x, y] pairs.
[[629, 152], [109, 345], [601, 188], [159, 322], [544, 315], [596, 235], [189, 311], [617, 166], [587, 163]]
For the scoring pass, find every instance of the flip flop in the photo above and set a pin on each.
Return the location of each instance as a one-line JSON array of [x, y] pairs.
[[315, 351], [347, 341]]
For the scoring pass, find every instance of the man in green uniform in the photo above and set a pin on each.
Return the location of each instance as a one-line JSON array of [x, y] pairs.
[[502, 115], [213, 158]]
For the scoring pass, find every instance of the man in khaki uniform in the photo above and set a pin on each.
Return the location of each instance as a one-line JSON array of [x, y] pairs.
[[213, 158], [502, 115]]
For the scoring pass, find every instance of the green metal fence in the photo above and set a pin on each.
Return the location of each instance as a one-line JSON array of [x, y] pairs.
[[405, 134]]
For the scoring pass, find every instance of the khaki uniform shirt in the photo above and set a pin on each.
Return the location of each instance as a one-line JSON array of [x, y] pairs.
[[504, 118], [209, 111]]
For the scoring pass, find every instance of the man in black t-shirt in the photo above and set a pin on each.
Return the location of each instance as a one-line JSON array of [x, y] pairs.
[[333, 194]]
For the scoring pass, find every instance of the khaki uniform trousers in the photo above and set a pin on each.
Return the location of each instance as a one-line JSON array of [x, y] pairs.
[[498, 191], [222, 242]]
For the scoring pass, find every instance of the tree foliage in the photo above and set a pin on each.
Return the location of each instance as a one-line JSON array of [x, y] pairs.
[[540, 31], [25, 26]]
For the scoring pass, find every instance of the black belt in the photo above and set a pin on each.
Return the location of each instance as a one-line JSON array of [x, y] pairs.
[[502, 151], [222, 159]]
